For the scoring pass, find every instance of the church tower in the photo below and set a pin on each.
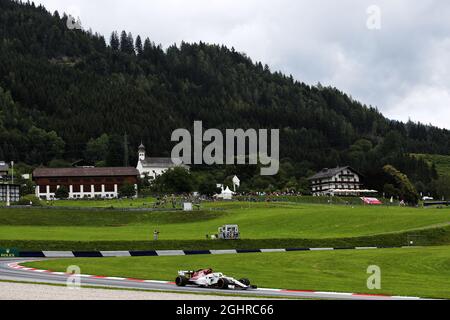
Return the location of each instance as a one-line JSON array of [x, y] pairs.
[[141, 151]]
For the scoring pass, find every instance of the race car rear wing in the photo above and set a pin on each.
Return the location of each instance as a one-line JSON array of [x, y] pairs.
[[186, 273]]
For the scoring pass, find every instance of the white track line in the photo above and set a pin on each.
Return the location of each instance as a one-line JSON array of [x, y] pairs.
[[272, 250], [58, 254], [115, 253], [170, 253], [223, 251]]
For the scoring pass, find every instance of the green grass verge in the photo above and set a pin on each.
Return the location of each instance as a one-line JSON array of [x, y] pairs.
[[421, 272], [424, 237], [104, 203], [84, 218], [257, 221]]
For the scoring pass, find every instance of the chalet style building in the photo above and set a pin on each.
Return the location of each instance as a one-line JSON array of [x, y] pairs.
[[9, 193], [83, 182], [4, 169], [153, 167], [337, 181]]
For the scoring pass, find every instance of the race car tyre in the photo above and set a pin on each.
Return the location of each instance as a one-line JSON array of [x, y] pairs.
[[181, 281], [245, 281], [222, 284]]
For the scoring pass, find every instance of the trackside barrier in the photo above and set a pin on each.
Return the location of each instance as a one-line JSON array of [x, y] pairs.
[[154, 253]]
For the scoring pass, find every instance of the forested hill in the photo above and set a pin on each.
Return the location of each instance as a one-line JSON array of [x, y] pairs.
[[61, 88]]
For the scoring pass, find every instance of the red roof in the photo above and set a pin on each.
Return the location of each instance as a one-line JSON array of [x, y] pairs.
[[84, 172]]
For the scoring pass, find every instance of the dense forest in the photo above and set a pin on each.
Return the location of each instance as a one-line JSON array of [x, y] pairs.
[[70, 94]]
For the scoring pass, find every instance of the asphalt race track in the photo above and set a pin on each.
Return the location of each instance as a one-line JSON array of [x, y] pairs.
[[14, 274]]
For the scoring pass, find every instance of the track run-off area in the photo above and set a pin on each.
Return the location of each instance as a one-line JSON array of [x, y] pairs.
[[12, 270]]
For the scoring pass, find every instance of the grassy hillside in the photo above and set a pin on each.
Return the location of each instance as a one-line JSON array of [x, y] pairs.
[[421, 272], [256, 221], [442, 162]]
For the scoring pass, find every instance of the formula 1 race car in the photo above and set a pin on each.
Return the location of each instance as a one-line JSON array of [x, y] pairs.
[[208, 279]]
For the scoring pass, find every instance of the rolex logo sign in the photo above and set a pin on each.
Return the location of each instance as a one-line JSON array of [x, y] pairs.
[[8, 253]]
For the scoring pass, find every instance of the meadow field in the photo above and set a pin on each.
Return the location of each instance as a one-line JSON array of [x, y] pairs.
[[442, 162], [256, 221], [262, 225], [423, 272]]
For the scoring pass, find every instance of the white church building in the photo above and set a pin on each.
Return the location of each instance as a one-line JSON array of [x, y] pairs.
[[153, 167]]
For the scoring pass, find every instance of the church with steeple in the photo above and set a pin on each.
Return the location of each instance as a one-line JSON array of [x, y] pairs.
[[153, 167]]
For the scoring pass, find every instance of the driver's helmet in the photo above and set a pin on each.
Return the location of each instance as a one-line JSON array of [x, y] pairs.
[[208, 271]]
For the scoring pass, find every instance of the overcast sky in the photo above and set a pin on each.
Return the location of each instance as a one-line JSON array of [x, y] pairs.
[[396, 58]]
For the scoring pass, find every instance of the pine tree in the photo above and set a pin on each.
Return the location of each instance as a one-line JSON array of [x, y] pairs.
[[123, 42], [114, 41], [130, 44], [138, 46], [126, 43], [147, 48]]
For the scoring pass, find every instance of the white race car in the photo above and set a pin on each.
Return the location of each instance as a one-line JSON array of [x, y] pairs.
[[209, 279]]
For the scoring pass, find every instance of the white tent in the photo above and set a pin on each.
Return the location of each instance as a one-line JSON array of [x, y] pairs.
[[226, 194]]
